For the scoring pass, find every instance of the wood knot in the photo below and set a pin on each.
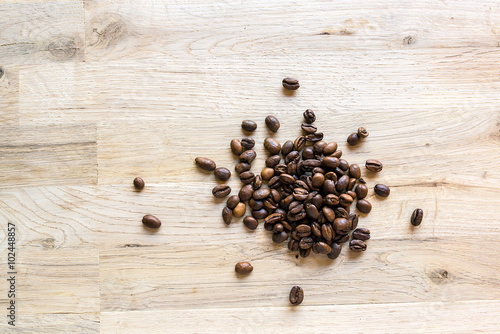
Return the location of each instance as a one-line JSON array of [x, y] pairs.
[[408, 40], [107, 30], [48, 243], [438, 275], [1, 72], [63, 48]]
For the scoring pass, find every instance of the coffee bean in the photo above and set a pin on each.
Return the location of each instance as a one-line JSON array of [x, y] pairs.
[[247, 177], [343, 164], [353, 139], [260, 214], [255, 204], [227, 215], [280, 169], [308, 153], [331, 200], [138, 183], [221, 190], [300, 194], [242, 167], [335, 252], [247, 143], [292, 156], [248, 125], [303, 230], [267, 173], [317, 180], [273, 160], [250, 222], [275, 195], [290, 83], [272, 146], [232, 201], [246, 193], [351, 193], [341, 212], [350, 186], [323, 248], [345, 200], [353, 220], [341, 238], [342, 183], [291, 168], [295, 207], [330, 148], [363, 206], [314, 137], [416, 217], [280, 237], [243, 268], [328, 187], [312, 211], [287, 179], [337, 154], [274, 182], [205, 164], [236, 147], [287, 148], [361, 180], [309, 128], [382, 190], [327, 232], [151, 221], [319, 146], [306, 243], [355, 171], [299, 143], [239, 210], [373, 165], [296, 295], [309, 116], [277, 228], [357, 245], [331, 162], [293, 245], [274, 218], [304, 252], [328, 213], [261, 193], [257, 182], [341, 226], [248, 156], [362, 133], [361, 233], [272, 123], [361, 191], [222, 173]]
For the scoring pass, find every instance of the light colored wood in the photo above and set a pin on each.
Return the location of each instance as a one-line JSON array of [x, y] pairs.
[[96, 92]]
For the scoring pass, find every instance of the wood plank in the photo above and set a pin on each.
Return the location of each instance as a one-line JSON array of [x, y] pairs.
[[183, 276], [428, 317], [31, 33], [120, 29], [9, 95], [61, 323], [50, 155]]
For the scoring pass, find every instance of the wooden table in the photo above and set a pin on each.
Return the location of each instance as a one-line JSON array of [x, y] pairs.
[[94, 93]]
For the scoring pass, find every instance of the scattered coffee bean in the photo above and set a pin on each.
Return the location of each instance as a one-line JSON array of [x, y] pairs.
[[309, 128], [272, 146], [221, 190], [151, 221], [335, 252], [222, 173], [353, 139], [416, 217], [267, 173], [248, 125], [355, 171], [357, 245], [242, 167], [248, 156], [239, 210], [236, 147], [246, 193], [363, 206], [291, 83], [247, 177], [257, 182], [361, 234], [272, 123], [250, 222], [353, 219], [362, 133], [280, 237], [361, 191], [138, 183], [314, 137], [373, 165], [309, 116], [273, 160], [382, 190], [205, 164], [232, 201], [247, 143], [227, 215], [243, 268], [296, 295]]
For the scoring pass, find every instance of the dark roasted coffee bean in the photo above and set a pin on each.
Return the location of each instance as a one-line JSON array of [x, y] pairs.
[[327, 232], [301, 184], [353, 139], [331, 176], [296, 295], [291, 168], [353, 220], [362, 133], [286, 226], [268, 227], [295, 207], [363, 206], [270, 204], [272, 146], [319, 146], [361, 233], [239, 210], [328, 213], [331, 162], [295, 236], [222, 173], [351, 193], [247, 143], [323, 248], [292, 156], [317, 180], [232, 201], [300, 194], [309, 116], [246, 193], [341, 238], [247, 177], [290, 83], [341, 213], [357, 245], [337, 154], [236, 147], [287, 148], [350, 185], [354, 171], [280, 169], [151, 221], [328, 187], [299, 143], [300, 170], [361, 180], [227, 215], [382, 190], [314, 137], [205, 164], [341, 226], [314, 248], [293, 245], [257, 182], [221, 190], [309, 128], [331, 200], [248, 156], [306, 243], [416, 217], [275, 195], [317, 200], [272, 123], [274, 182], [335, 252], [312, 211], [373, 165], [260, 214], [303, 230], [316, 229], [296, 217], [242, 167], [309, 164], [261, 193], [274, 218], [267, 173], [342, 183], [138, 183], [248, 125], [273, 160], [277, 228], [304, 252], [345, 200], [338, 171], [243, 268], [343, 164], [330, 148], [308, 153], [361, 191], [285, 203], [287, 179], [280, 237], [255, 204]]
